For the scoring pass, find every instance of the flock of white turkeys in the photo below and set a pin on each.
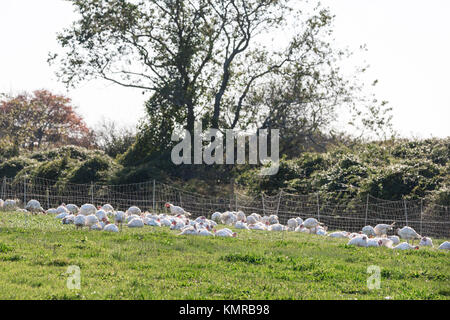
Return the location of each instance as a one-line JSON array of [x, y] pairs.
[[107, 219]]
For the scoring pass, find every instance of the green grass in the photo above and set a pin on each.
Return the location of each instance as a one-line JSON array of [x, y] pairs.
[[155, 263]]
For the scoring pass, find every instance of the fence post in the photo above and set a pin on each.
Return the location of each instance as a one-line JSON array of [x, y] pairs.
[[236, 202], [367, 209], [154, 195], [279, 200], [47, 194], [232, 194], [262, 199], [318, 207], [25, 190], [421, 214], [406, 212], [92, 193], [181, 201], [4, 188]]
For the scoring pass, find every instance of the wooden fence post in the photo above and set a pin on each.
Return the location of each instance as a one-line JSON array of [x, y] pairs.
[[92, 193], [318, 207], [367, 209], [3, 194], [25, 190], [264, 207], [154, 186], [406, 212]]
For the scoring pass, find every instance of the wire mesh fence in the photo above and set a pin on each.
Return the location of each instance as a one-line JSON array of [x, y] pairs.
[[426, 218]]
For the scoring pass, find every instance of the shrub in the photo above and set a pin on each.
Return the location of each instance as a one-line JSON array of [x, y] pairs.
[[8, 150], [53, 170], [71, 152], [441, 196], [10, 168], [99, 168]]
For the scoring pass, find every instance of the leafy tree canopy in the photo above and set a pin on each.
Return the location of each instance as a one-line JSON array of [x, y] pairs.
[[213, 60], [40, 120]]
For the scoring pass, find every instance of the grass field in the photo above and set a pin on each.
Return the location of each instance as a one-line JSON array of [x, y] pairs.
[[155, 263]]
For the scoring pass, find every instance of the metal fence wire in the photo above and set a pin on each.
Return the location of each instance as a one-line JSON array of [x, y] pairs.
[[427, 218]]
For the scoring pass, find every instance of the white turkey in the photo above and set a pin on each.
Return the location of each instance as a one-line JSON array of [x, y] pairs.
[[107, 208], [177, 224], [131, 217], [79, 221], [165, 222], [152, 216], [51, 211], [154, 223], [301, 228], [382, 229], [1, 203], [444, 246], [358, 241], [61, 209], [355, 234], [395, 240], [91, 220], [134, 211], [426, 242], [338, 234], [200, 219], [256, 216], [374, 242], [73, 209], [211, 223], [265, 220], [312, 224], [273, 219], [299, 220], [111, 228], [216, 216], [62, 215], [96, 227], [369, 231], [177, 210], [136, 223], [277, 227], [189, 230], [101, 215], [203, 225], [119, 217], [69, 219], [405, 246], [321, 231], [225, 233], [241, 216], [87, 209], [257, 226], [241, 225], [408, 233], [292, 224], [10, 205], [386, 242], [34, 206], [251, 220], [228, 218], [205, 232]]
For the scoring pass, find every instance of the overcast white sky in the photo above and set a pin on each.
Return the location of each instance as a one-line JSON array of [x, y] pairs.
[[408, 50]]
